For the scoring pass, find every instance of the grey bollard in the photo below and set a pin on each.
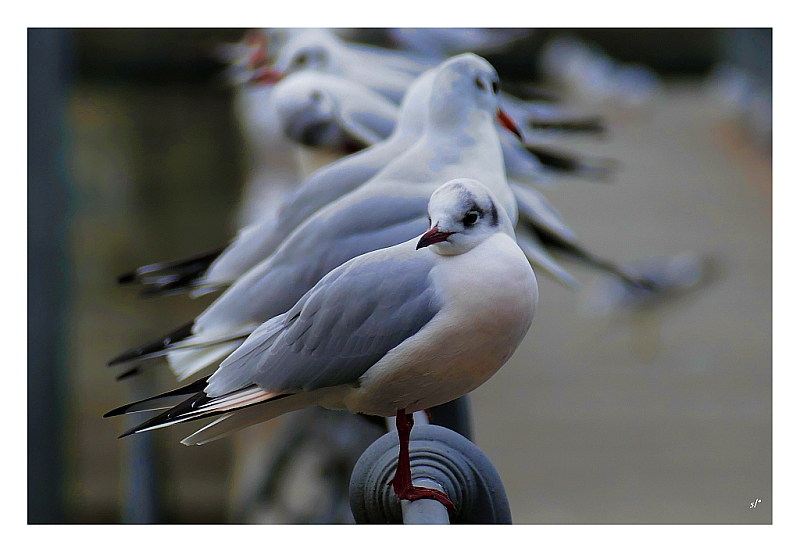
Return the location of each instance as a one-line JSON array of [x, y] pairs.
[[437, 454]]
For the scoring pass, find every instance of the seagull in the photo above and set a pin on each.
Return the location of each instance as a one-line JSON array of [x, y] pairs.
[[460, 141], [273, 167], [320, 110], [384, 71], [390, 332], [390, 72], [219, 268]]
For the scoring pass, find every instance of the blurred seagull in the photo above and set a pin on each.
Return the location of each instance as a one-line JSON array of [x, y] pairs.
[[390, 332], [384, 71], [220, 268], [273, 168], [321, 110]]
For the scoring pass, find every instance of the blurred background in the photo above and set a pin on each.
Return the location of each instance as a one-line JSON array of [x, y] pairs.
[[659, 413]]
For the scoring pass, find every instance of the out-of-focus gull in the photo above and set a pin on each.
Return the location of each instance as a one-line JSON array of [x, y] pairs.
[[444, 42], [384, 71], [218, 268], [273, 167], [588, 72], [221, 267], [390, 332], [674, 277], [320, 110]]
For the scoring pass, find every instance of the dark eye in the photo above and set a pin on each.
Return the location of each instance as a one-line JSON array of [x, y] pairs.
[[495, 87], [316, 96], [471, 218], [301, 59], [479, 83]]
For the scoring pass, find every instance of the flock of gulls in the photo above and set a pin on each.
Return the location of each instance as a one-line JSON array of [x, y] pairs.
[[397, 277]]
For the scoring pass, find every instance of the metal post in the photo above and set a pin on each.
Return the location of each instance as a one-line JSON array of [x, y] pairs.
[[442, 457], [425, 511], [47, 269]]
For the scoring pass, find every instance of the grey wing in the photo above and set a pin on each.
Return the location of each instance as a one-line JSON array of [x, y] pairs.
[[259, 240], [520, 163], [538, 255], [534, 208], [368, 118], [324, 242], [330, 183], [338, 330]]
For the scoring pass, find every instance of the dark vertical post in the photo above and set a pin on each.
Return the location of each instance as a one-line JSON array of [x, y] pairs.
[[47, 271]]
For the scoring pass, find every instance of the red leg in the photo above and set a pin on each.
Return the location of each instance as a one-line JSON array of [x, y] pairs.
[[403, 487]]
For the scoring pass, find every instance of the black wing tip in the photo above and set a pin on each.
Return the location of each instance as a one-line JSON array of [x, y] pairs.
[[177, 276], [116, 411], [175, 336], [131, 431], [599, 168], [587, 126], [127, 278], [135, 371], [193, 388]]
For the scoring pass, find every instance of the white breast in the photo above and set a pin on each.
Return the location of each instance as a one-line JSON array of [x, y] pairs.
[[489, 296]]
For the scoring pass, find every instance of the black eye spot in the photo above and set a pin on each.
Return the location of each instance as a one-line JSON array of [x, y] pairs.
[[471, 218], [316, 96], [479, 83], [495, 87], [301, 59]]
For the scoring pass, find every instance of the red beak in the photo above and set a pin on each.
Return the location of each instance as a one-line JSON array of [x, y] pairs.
[[258, 59], [431, 237], [266, 75], [255, 40], [509, 123]]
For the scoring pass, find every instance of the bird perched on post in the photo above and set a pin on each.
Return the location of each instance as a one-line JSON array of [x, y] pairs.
[[392, 331]]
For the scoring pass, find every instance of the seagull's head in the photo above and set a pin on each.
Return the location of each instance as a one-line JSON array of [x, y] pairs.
[[463, 213], [465, 85], [311, 49], [306, 110]]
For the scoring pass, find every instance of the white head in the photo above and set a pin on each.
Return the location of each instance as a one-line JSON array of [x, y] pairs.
[[466, 86], [313, 49], [462, 214], [306, 110]]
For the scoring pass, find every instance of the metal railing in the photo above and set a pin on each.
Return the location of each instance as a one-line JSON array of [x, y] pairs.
[[442, 459]]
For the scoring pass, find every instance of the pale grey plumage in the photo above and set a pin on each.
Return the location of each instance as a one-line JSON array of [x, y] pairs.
[[340, 328], [256, 242]]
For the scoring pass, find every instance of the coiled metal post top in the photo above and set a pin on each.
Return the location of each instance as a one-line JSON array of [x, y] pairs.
[[438, 455]]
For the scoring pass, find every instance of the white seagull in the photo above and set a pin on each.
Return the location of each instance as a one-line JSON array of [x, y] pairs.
[[392, 331], [387, 72], [320, 110]]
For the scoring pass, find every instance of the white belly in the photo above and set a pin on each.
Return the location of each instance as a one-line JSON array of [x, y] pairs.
[[488, 308]]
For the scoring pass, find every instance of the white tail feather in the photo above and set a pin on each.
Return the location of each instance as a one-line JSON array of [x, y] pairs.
[[187, 362], [538, 256], [234, 421]]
